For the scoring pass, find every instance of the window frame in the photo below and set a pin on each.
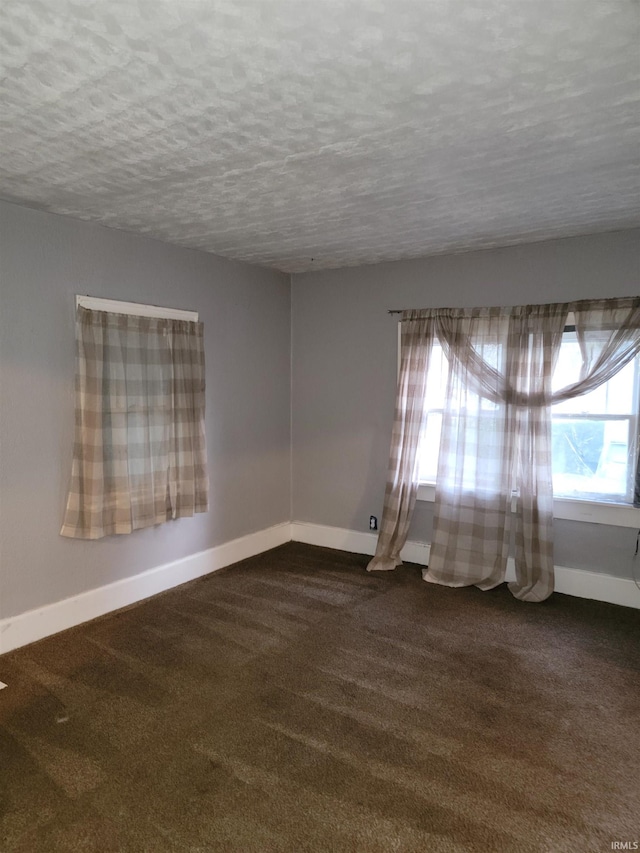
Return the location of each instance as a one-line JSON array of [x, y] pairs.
[[569, 509], [135, 309], [633, 438]]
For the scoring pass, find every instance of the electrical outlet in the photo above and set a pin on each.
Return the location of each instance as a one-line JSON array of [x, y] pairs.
[[373, 522]]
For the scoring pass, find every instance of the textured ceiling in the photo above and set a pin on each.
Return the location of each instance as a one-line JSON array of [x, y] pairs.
[[303, 134]]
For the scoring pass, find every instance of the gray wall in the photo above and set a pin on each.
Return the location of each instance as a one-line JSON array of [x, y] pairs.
[[344, 358], [344, 369], [44, 261]]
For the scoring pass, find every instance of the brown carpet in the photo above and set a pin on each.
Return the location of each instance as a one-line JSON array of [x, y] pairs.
[[295, 703]]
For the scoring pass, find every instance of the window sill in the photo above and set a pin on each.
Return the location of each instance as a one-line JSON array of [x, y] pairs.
[[593, 512], [597, 512]]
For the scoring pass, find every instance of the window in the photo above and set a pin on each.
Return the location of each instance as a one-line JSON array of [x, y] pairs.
[[139, 451], [595, 436], [434, 409], [595, 439]]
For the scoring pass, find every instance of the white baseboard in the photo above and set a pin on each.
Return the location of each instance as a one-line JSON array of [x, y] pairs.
[[353, 540], [25, 628], [577, 582], [16, 631]]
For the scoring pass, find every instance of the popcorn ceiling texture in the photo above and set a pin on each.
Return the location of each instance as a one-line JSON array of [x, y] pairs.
[[347, 132]]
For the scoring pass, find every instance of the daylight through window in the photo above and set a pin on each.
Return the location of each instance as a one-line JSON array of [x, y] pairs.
[[594, 436]]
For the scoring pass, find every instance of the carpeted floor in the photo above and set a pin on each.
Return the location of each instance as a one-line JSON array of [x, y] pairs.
[[295, 703]]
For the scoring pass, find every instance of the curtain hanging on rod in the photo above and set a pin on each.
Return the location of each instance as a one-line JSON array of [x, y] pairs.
[[497, 432], [139, 452]]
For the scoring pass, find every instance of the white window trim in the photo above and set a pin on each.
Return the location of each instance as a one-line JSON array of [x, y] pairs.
[[593, 512], [136, 309]]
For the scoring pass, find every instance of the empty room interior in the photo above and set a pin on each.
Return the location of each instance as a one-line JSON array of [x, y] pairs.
[[319, 426]]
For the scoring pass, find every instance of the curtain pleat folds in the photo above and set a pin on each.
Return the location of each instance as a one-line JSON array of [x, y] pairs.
[[402, 479], [495, 465], [139, 452]]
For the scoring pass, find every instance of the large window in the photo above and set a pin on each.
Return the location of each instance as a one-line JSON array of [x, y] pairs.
[[594, 437]]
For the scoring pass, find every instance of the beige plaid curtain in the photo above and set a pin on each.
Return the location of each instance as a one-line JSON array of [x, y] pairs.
[[497, 432], [139, 452], [497, 436], [416, 341]]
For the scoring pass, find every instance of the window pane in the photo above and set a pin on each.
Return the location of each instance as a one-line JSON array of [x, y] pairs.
[[436, 379], [614, 397], [430, 447], [594, 454], [434, 399], [591, 457]]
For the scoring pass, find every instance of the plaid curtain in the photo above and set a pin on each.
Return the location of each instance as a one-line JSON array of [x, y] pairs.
[[497, 434], [139, 452], [470, 540], [416, 340]]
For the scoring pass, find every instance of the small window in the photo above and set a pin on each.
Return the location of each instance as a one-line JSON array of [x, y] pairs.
[[139, 451]]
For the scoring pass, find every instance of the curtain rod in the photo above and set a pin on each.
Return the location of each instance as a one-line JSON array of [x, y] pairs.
[[137, 309], [568, 328]]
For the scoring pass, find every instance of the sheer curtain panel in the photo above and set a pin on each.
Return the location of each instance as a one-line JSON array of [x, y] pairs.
[[495, 443], [139, 452], [470, 540], [416, 340], [497, 438]]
